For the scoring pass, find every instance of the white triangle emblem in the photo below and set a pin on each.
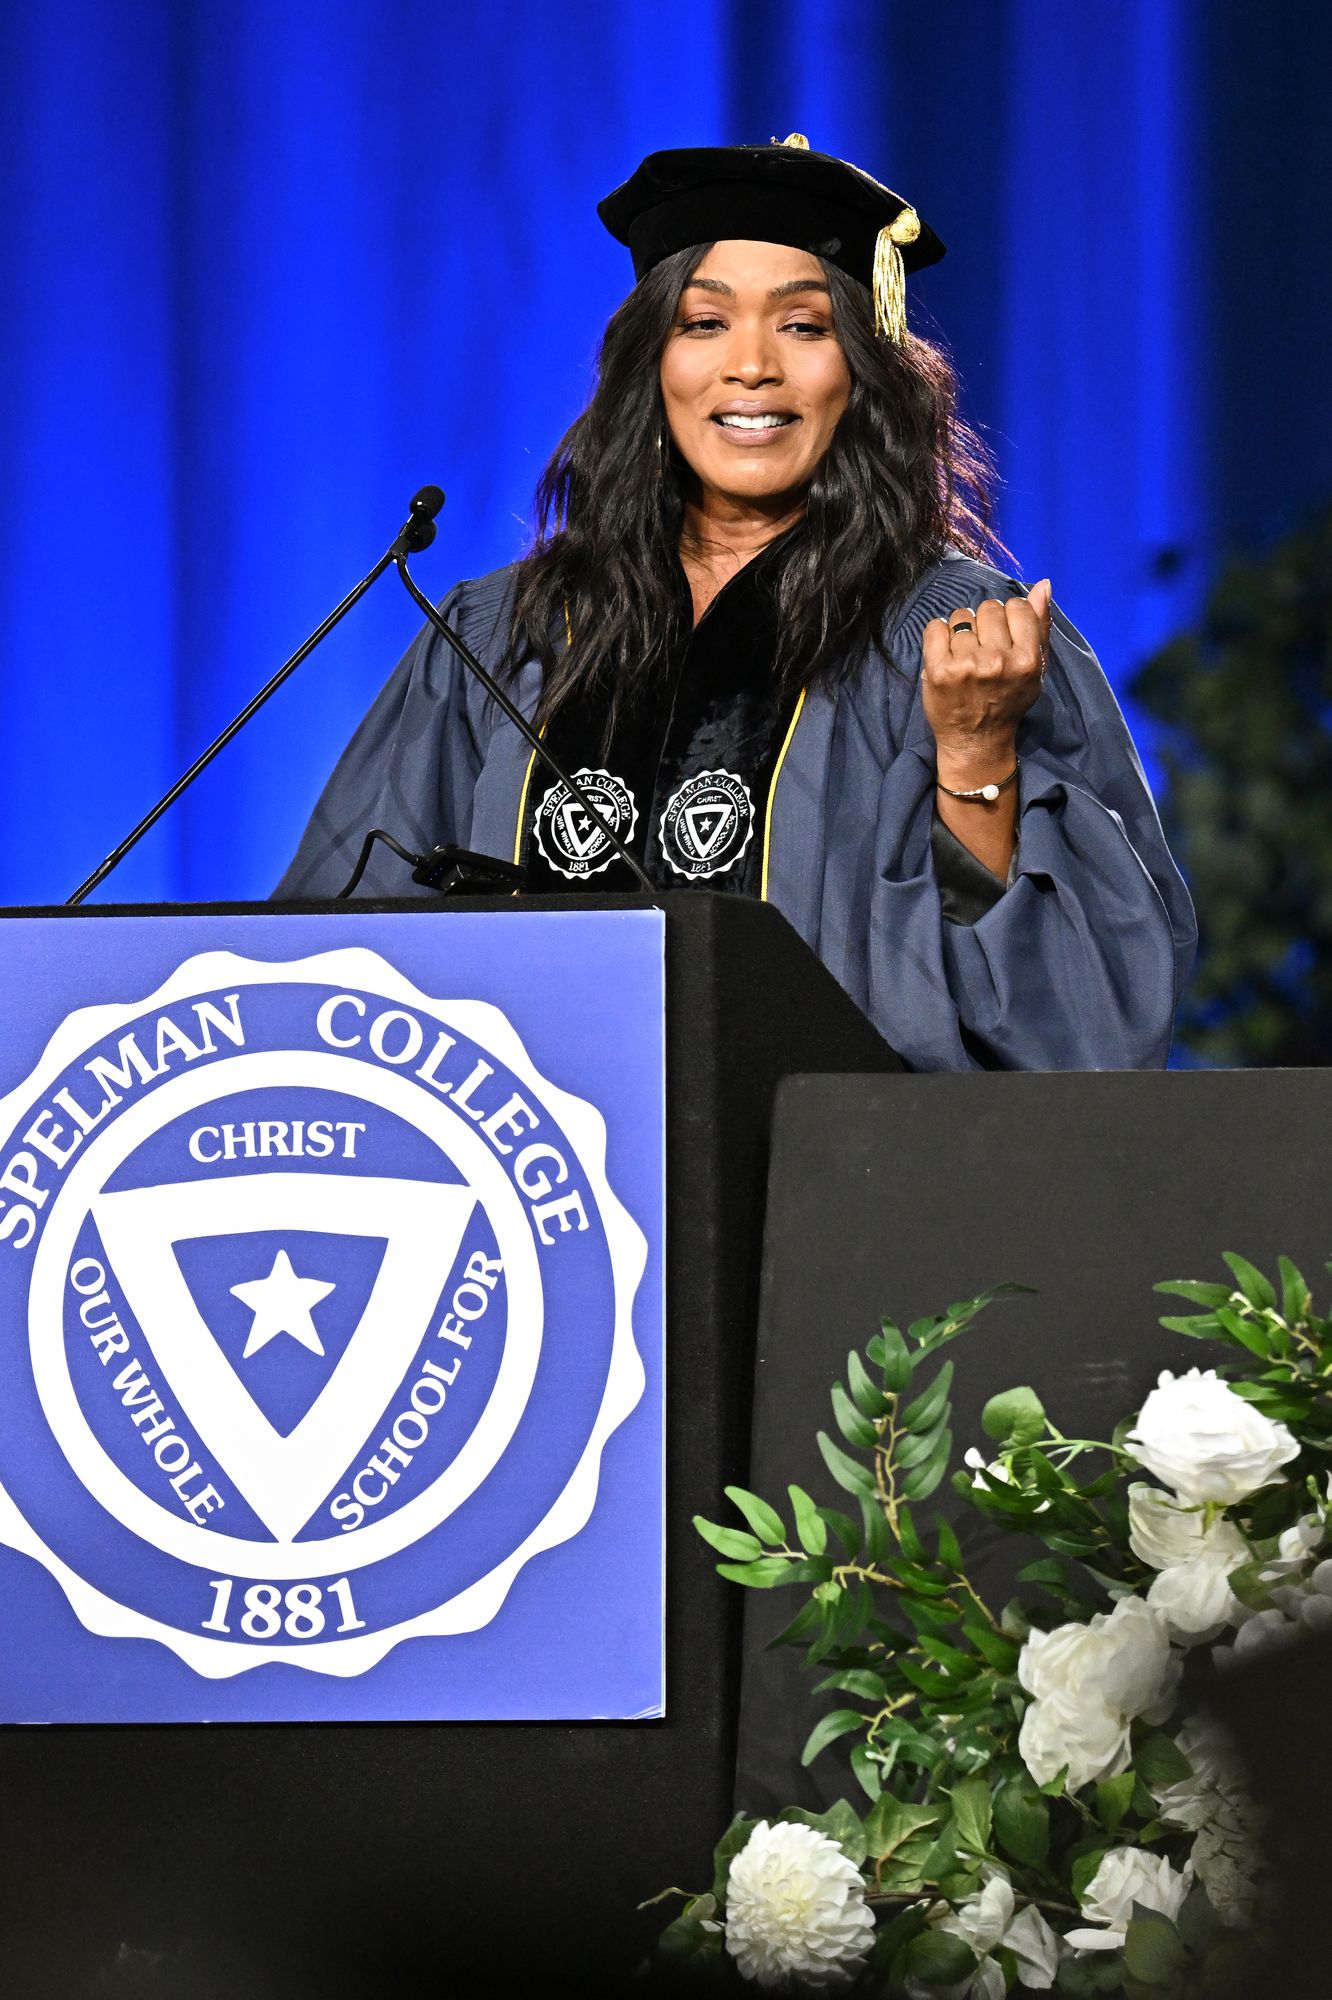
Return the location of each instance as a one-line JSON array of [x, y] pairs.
[[709, 824], [581, 843], [284, 1478]]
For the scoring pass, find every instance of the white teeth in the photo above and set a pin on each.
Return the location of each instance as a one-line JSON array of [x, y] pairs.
[[736, 422]]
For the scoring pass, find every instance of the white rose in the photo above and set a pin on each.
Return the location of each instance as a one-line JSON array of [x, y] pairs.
[[1035, 1947], [1308, 1604], [986, 1922], [1141, 1673], [1294, 1544], [1316, 1613], [983, 1919], [1164, 1533], [795, 1908], [1295, 1608], [1069, 1722], [1056, 1664], [1089, 1681], [1091, 1740], [1127, 1875], [1191, 1593], [1195, 1599], [1205, 1442]]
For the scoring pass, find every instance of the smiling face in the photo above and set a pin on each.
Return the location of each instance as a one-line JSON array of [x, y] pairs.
[[752, 375]]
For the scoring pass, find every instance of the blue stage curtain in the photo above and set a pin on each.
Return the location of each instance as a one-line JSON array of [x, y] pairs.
[[270, 267]]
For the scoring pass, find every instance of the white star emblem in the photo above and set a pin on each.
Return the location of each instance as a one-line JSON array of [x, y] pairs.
[[281, 1303]]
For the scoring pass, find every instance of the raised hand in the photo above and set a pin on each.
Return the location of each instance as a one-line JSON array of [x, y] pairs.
[[980, 672]]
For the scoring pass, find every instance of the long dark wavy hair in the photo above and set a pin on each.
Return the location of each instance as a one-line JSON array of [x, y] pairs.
[[903, 479]]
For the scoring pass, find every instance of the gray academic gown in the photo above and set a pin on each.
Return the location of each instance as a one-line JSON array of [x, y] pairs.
[[1078, 965]]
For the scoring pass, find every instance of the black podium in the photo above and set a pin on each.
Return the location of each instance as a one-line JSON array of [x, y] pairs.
[[288, 1860]]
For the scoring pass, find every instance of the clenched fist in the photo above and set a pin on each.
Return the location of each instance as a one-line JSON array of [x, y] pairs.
[[980, 673]]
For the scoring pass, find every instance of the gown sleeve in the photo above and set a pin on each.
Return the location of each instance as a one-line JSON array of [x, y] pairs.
[[410, 768], [1081, 959]]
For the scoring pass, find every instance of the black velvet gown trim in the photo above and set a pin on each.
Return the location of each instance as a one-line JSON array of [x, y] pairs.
[[686, 775], [690, 769]]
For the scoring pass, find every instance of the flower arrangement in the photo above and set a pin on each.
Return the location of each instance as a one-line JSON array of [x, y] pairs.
[[1038, 1805]]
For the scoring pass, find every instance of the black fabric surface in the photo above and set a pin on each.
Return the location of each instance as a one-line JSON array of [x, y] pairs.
[[967, 889], [899, 1197]]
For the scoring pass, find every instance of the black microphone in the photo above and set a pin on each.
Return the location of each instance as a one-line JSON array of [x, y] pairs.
[[418, 531]]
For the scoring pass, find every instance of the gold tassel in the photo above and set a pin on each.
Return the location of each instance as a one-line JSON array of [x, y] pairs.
[[890, 319], [796, 139]]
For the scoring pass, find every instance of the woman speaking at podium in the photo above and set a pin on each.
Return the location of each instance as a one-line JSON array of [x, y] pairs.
[[758, 627]]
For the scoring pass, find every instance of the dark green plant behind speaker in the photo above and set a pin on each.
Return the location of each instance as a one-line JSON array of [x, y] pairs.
[[1243, 707]]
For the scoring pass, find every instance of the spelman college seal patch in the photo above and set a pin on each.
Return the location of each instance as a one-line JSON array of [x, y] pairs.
[[317, 1313], [572, 841]]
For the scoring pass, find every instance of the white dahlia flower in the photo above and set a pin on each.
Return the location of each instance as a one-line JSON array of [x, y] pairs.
[[795, 1909]]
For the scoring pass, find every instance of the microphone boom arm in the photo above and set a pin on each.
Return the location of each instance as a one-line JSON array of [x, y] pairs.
[[417, 533], [519, 720], [219, 743]]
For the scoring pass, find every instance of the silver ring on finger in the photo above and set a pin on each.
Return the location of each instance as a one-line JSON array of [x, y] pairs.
[[962, 625]]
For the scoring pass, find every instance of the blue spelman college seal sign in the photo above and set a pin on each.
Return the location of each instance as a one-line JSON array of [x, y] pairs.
[[323, 1325]]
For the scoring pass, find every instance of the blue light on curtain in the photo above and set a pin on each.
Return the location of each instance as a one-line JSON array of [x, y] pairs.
[[1104, 387], [269, 268]]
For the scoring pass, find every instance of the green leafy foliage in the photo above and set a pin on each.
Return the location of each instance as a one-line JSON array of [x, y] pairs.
[[1022, 1822], [729, 1542], [1240, 706], [925, 1671], [1154, 1951], [852, 1477], [828, 1729], [928, 1408], [1015, 1417], [871, 1402], [1159, 1761], [939, 1959], [763, 1519], [810, 1524], [973, 1812], [1114, 1796], [900, 1834], [723, 1854]]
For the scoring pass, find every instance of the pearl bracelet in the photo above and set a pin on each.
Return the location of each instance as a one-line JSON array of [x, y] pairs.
[[984, 793]]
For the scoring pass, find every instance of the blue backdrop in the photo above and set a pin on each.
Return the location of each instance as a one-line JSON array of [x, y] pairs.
[[270, 267]]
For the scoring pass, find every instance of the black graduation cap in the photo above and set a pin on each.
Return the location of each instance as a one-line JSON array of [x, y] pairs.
[[782, 193]]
